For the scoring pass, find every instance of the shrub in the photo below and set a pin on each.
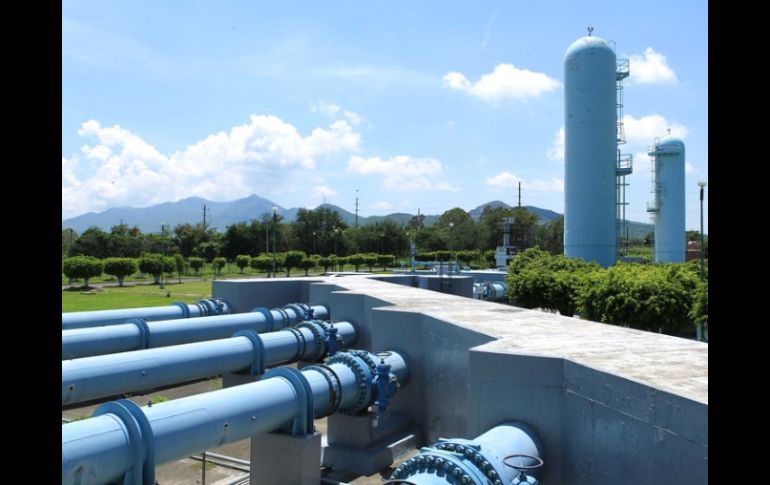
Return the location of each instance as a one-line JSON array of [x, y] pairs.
[[84, 267], [120, 268]]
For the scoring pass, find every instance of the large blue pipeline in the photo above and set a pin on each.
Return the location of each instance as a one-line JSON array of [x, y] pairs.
[[123, 441], [140, 334], [509, 453], [204, 308], [108, 375]]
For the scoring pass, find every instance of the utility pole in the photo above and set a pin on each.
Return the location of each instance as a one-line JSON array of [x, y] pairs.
[[356, 207], [519, 194], [205, 209]]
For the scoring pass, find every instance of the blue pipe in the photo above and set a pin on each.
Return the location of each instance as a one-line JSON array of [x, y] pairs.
[[485, 460], [107, 375], [122, 441], [493, 291], [139, 334], [204, 308]]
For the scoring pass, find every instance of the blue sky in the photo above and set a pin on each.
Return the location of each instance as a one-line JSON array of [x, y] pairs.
[[431, 105]]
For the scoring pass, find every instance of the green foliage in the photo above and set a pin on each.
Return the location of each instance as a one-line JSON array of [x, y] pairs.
[[293, 259], [425, 256], [325, 262], [262, 263], [536, 279], [468, 256], [195, 263], [180, 265], [648, 297], [83, 267], [385, 260], [356, 260], [156, 264], [120, 268], [370, 259], [218, 263], [307, 263], [700, 307], [443, 255], [242, 261], [158, 399]]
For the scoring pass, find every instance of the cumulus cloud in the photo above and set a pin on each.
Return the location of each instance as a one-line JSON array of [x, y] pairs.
[[640, 133], [335, 112], [689, 168], [323, 192], [382, 205], [120, 168], [504, 82], [650, 67], [402, 173], [556, 152], [506, 180]]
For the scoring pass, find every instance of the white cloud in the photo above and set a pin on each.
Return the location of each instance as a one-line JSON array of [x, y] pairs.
[[505, 82], [556, 152], [642, 131], [250, 158], [402, 173], [327, 109], [689, 168], [323, 192], [353, 118], [650, 67], [335, 112], [506, 180], [382, 205]]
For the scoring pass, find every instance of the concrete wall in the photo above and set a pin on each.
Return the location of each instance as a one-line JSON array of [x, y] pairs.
[[601, 398], [246, 294]]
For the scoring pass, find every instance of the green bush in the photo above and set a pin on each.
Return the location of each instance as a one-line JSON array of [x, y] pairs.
[[84, 267], [120, 268], [293, 259], [356, 260], [648, 297], [307, 263], [262, 263], [700, 308], [195, 263], [156, 264], [385, 260], [218, 263], [242, 261]]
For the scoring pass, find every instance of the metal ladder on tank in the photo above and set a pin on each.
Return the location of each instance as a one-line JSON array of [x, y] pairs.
[[624, 163]]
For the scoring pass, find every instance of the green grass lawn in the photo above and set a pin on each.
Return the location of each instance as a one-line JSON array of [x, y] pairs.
[[133, 296]]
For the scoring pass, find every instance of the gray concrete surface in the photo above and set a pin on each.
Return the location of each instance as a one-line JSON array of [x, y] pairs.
[[609, 403]]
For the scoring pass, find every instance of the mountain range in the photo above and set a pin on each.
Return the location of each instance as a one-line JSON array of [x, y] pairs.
[[222, 214]]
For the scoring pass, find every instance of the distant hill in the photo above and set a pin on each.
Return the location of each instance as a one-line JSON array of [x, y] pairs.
[[544, 215], [223, 214]]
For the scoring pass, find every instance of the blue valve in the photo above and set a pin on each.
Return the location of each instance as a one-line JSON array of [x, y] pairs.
[[386, 384], [332, 339]]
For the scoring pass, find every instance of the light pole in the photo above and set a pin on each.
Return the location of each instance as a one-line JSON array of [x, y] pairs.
[[275, 220], [313, 242], [701, 184], [162, 255], [336, 258], [451, 255]]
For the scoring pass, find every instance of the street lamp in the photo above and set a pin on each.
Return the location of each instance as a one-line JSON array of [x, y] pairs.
[[313, 242], [275, 220], [336, 257], [451, 255], [162, 255], [701, 184]]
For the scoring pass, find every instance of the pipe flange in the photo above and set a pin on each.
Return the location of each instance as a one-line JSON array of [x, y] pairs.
[[144, 332], [182, 306], [284, 317], [301, 343], [140, 437], [361, 369], [299, 310], [319, 333], [265, 312], [335, 386]]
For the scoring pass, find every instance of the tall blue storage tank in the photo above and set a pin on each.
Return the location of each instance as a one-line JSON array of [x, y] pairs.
[[590, 152], [668, 157]]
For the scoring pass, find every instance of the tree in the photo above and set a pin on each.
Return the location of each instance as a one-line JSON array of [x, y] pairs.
[[242, 261], [120, 268], [322, 221], [306, 264], [156, 264], [385, 260], [84, 267], [180, 265], [262, 263], [293, 259], [218, 263], [700, 308], [93, 242], [356, 260], [370, 259], [325, 262], [455, 216], [195, 263], [187, 237]]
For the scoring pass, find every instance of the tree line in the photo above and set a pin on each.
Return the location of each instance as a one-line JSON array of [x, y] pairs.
[[321, 231]]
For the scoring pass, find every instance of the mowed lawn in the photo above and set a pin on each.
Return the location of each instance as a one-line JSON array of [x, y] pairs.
[[133, 296]]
